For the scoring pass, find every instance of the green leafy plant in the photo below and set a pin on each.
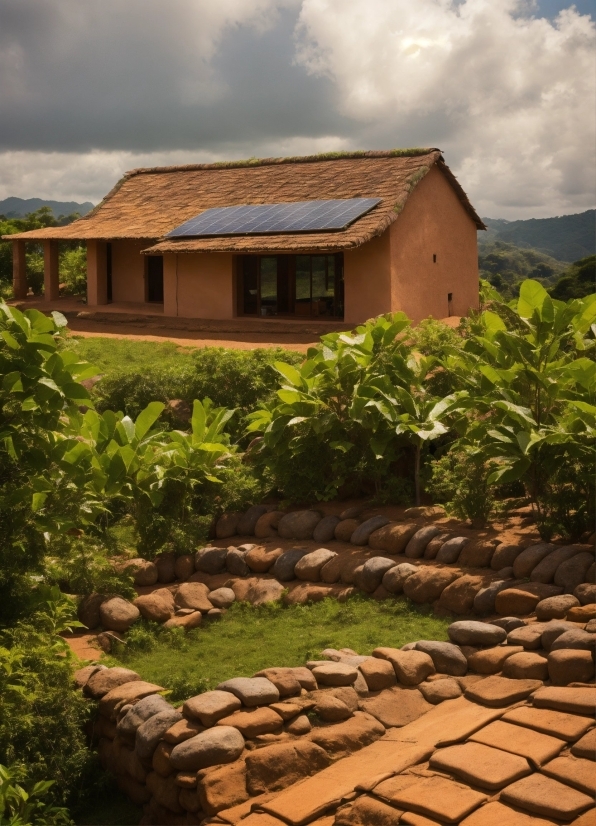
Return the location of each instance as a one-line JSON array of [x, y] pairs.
[[22, 803], [459, 479]]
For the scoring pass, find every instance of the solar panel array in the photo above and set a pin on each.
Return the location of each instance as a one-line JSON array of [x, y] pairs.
[[268, 219]]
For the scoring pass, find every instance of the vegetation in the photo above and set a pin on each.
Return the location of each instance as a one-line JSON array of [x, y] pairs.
[[577, 281], [234, 644], [505, 266], [72, 258], [566, 237]]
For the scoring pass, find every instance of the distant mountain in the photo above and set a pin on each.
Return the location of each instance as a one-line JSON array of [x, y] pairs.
[[19, 207], [566, 238]]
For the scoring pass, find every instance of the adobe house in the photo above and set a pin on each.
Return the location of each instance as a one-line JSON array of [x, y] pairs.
[[402, 237]]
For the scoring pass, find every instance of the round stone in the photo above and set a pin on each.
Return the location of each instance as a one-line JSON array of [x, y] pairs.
[[299, 524], [220, 744], [222, 597], [325, 529], [526, 666], [417, 544], [118, 614], [450, 550], [470, 632], [372, 573], [394, 578], [447, 658], [555, 607], [335, 674]]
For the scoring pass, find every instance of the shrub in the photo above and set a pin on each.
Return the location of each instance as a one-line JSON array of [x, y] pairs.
[[73, 270], [459, 479]]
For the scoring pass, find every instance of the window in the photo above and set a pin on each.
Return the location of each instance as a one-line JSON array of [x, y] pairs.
[[303, 286]]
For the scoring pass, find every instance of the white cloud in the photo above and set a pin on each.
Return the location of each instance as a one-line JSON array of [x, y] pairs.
[[509, 97]]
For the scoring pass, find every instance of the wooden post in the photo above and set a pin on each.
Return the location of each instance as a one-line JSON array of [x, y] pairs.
[[19, 270], [50, 270], [97, 273]]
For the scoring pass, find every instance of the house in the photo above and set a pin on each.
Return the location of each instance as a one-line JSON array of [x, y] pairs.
[[343, 236]]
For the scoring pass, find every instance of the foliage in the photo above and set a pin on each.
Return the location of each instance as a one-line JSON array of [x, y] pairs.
[[200, 659], [459, 479], [505, 266], [41, 715], [531, 406], [566, 237], [317, 435], [73, 270], [577, 281], [22, 803]]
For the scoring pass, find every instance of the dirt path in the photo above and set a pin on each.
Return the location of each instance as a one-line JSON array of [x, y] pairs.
[[186, 338]]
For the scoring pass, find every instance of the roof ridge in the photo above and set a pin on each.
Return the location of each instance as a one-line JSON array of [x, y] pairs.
[[412, 152]]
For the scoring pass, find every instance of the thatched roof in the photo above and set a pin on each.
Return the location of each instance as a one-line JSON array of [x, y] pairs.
[[149, 203]]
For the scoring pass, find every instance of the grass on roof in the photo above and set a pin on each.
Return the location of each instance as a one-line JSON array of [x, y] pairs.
[[247, 639]]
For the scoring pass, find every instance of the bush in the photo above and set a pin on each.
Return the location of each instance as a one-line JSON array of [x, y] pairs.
[[73, 270], [460, 480]]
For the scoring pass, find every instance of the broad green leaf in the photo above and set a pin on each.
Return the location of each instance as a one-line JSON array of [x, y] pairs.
[[532, 296], [10, 340], [147, 418], [198, 421], [288, 372]]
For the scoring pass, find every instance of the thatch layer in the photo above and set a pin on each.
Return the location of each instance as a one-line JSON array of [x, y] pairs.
[[148, 203]]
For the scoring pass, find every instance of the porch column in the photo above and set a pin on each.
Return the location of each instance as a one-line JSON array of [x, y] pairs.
[[97, 273], [19, 270], [170, 285], [50, 270]]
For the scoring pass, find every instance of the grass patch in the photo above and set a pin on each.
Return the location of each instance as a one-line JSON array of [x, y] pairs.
[[247, 639], [115, 355]]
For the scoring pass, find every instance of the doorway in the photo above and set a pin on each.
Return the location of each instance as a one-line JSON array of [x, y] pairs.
[[155, 279]]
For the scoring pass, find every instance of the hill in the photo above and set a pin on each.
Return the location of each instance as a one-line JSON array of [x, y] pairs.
[[20, 207], [565, 238]]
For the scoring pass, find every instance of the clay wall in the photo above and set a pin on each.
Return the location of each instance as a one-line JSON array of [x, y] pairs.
[[128, 270], [367, 280], [433, 252], [199, 286]]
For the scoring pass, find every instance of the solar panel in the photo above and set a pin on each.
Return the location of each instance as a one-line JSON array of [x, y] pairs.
[[268, 219]]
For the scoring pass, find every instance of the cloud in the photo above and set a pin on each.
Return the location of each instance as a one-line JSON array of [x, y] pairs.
[[88, 90], [508, 96]]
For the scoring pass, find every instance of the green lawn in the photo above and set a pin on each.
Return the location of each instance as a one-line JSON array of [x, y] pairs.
[[112, 355], [247, 639]]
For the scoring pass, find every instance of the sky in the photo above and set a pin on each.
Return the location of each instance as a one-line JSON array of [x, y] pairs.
[[506, 88]]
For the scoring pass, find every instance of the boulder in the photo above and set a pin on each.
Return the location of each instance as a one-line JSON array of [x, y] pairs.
[[283, 568], [585, 593], [227, 525], [152, 731], [394, 578], [189, 620], [491, 660], [508, 623], [255, 722], [411, 667], [211, 706], [106, 679], [372, 573], [222, 788], [526, 665], [273, 768], [362, 533], [554, 629], [299, 725], [82, 675], [193, 595], [157, 606], [309, 566], [331, 709], [182, 730], [582, 613], [447, 658], [393, 538], [299, 524], [569, 665], [345, 528], [220, 744], [449, 551], [211, 560], [142, 571], [524, 598], [118, 614], [222, 597], [247, 522], [478, 553], [458, 597], [530, 636], [165, 794], [267, 524], [505, 555], [184, 566], [470, 632], [379, 674], [283, 679], [342, 739], [258, 591], [236, 562], [428, 583], [545, 570], [555, 607], [417, 544], [147, 707], [435, 544], [440, 690], [166, 567], [335, 674], [484, 601], [251, 691], [260, 560], [574, 638], [325, 529], [88, 610], [527, 560], [572, 572], [425, 512]]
